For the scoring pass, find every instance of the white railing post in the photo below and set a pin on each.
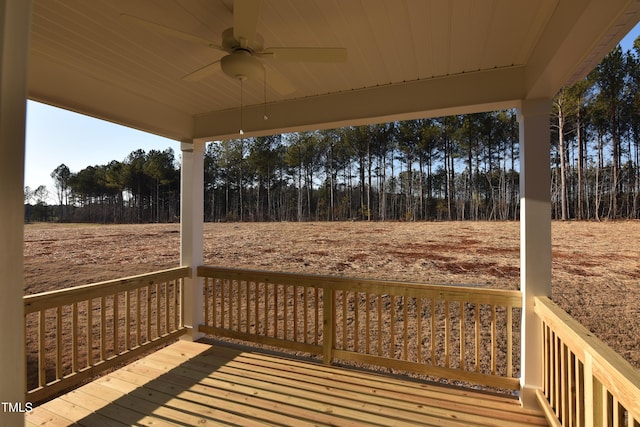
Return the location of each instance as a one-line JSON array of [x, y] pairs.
[[535, 237], [15, 16], [191, 230]]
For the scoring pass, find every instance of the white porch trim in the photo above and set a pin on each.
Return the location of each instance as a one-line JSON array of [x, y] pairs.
[[191, 230], [535, 236], [14, 40]]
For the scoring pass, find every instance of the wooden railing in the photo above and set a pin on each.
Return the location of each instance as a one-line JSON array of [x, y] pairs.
[[73, 334], [458, 333], [586, 383]]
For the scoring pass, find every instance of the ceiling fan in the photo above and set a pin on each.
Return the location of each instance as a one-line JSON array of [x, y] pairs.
[[244, 46]]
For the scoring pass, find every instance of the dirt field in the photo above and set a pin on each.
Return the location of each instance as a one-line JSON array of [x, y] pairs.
[[596, 266]]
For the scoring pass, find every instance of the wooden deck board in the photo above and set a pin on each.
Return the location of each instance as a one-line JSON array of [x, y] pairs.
[[198, 384]]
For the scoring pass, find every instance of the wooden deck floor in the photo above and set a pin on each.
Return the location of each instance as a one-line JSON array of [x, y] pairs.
[[196, 384]]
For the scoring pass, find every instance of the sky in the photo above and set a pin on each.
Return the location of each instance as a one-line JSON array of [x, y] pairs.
[[55, 136]]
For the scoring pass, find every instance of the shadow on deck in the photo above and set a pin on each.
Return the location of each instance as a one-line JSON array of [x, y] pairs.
[[198, 383]]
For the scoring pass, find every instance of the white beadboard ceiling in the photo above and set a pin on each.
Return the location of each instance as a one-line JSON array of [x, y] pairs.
[[406, 58]]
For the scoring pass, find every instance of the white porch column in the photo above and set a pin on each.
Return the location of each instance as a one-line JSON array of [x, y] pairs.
[[191, 230], [535, 236], [14, 43]]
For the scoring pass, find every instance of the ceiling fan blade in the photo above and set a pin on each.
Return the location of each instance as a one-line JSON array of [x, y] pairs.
[[203, 72], [307, 54], [169, 31], [278, 82], [245, 20]]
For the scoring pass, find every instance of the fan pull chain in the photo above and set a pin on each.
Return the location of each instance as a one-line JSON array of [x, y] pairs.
[[241, 103], [265, 94]]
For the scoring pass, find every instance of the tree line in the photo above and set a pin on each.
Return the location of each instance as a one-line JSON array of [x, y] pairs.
[[596, 141], [458, 167], [145, 187], [447, 168]]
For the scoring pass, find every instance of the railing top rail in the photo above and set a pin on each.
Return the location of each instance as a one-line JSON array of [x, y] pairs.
[[50, 299], [611, 369], [442, 292]]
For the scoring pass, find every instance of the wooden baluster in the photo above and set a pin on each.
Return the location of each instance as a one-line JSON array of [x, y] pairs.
[[564, 393], [58, 342], [138, 318], [305, 319], [103, 329], [166, 308], [317, 315], [175, 303], [545, 360], [256, 299], [158, 310], [42, 356], [379, 324], [265, 309], [344, 321], [276, 291], [509, 341], [215, 301], [461, 305], [477, 333], [172, 292], [116, 346], [446, 334], [222, 309], [392, 347], [592, 394], [579, 395], [90, 332], [433, 331], [127, 320], [405, 314], [554, 371], [247, 310], [209, 304], [229, 304], [617, 412], [419, 321], [239, 305], [494, 339], [295, 313], [285, 306], [328, 321], [356, 324], [148, 313], [74, 337], [367, 326]]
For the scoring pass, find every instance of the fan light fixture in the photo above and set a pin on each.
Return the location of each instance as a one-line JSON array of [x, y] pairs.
[[242, 65]]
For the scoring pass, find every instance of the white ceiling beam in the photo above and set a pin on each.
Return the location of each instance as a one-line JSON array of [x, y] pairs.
[[68, 88], [459, 94]]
